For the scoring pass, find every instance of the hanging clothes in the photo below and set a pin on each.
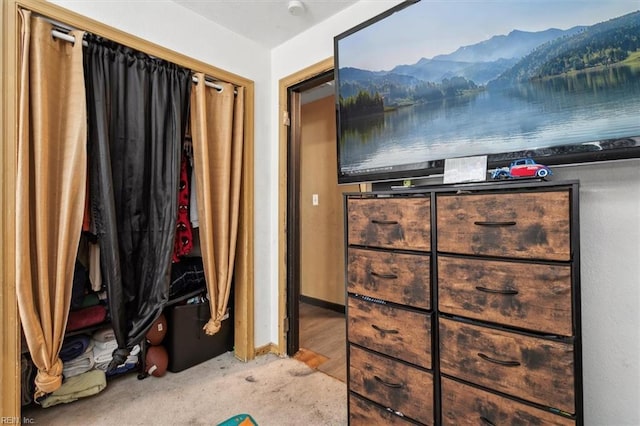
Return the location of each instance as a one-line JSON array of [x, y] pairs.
[[137, 113], [184, 233], [193, 202]]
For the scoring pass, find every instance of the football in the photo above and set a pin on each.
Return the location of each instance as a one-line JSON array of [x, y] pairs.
[[158, 330], [157, 360]]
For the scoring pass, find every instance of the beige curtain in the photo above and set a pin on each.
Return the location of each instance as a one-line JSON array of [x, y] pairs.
[[50, 195], [217, 131]]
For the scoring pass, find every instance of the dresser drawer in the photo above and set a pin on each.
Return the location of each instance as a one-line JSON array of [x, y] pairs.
[[392, 384], [534, 369], [396, 332], [394, 277], [365, 413], [531, 225], [534, 297], [400, 223], [467, 405]]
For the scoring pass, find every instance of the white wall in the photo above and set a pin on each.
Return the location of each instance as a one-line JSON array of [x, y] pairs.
[[308, 48], [167, 24], [610, 244], [610, 270]]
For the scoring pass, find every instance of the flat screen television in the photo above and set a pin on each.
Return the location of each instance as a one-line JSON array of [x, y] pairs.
[[557, 81]]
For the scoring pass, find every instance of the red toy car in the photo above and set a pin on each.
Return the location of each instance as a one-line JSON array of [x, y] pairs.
[[525, 167]]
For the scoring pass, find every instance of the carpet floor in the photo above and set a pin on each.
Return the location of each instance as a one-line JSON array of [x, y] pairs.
[[274, 391]]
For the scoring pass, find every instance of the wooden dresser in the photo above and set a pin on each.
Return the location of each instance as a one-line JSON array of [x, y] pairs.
[[463, 305]]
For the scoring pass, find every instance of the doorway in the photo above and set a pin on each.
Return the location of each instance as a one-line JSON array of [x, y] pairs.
[[313, 321]]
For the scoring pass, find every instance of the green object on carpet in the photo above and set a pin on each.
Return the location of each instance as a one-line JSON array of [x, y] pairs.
[[76, 387], [239, 420]]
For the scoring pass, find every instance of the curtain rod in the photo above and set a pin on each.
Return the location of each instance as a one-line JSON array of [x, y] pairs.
[[71, 39]]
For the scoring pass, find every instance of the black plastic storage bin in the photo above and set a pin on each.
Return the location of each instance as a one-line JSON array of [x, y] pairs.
[[186, 342]]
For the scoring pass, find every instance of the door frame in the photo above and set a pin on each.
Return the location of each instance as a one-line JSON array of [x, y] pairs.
[[288, 195]]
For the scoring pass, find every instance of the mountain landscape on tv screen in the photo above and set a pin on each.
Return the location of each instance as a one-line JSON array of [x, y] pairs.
[[500, 61], [558, 95]]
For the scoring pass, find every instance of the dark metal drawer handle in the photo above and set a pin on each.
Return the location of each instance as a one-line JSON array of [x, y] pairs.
[[386, 276], [479, 223], [383, 331], [384, 222], [490, 290], [390, 385], [487, 421], [499, 361]]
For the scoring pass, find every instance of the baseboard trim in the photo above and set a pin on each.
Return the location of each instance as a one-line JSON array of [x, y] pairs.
[[269, 348], [322, 304]]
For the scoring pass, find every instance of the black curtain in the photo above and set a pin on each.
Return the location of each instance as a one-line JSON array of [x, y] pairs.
[[137, 113]]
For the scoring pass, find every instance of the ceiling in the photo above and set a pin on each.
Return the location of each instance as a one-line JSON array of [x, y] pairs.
[[267, 22]]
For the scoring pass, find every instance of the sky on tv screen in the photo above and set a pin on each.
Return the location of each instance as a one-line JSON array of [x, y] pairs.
[[427, 28]]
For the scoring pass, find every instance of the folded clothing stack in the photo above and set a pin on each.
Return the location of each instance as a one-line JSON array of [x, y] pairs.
[[86, 317], [80, 364], [76, 387], [74, 346], [129, 364], [104, 343]]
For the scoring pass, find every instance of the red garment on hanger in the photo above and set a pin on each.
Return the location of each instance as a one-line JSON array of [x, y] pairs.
[[184, 233]]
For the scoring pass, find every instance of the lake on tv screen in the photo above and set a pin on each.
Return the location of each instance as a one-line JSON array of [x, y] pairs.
[[579, 86]]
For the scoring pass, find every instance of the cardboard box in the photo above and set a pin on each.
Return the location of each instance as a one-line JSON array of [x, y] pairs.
[[186, 342]]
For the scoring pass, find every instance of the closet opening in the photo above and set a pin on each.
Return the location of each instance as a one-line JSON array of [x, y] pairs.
[[242, 296]]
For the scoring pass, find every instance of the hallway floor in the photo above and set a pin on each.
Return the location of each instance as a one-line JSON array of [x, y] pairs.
[[323, 332]]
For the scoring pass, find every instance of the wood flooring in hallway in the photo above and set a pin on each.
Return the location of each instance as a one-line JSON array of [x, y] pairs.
[[323, 335]]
